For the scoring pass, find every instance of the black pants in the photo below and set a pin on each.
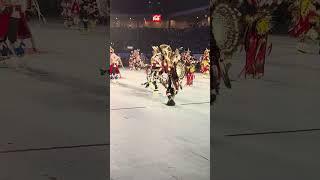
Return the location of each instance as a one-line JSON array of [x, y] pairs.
[[13, 30]]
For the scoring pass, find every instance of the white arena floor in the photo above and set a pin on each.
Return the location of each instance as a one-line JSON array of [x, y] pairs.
[[150, 140]]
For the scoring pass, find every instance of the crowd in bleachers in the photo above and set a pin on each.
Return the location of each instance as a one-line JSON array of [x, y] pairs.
[[196, 39]]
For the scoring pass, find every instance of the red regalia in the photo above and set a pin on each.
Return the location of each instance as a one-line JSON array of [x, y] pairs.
[[115, 61], [205, 62], [304, 16], [256, 43], [23, 30], [75, 8], [4, 23], [190, 67]]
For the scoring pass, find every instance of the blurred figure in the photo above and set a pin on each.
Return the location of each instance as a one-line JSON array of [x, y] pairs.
[[84, 16]]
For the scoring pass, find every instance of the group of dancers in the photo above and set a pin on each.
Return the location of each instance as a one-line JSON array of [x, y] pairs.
[[82, 14], [14, 29], [167, 68], [256, 20], [246, 29]]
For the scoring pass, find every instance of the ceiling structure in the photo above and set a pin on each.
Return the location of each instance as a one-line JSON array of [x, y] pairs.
[[164, 7]]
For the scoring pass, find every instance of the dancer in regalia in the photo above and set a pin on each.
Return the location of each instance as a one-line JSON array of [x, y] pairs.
[[190, 67], [84, 16], [167, 69], [5, 12], [205, 62], [93, 14], [18, 28], [135, 61], [258, 26], [154, 70], [305, 18], [115, 62], [66, 13], [14, 28], [131, 60], [24, 31], [175, 70], [224, 41], [75, 10]]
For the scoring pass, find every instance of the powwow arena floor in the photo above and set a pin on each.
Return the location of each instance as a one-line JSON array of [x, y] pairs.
[[53, 109], [269, 128]]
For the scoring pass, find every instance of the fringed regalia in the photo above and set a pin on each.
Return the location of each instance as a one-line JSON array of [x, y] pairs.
[[155, 69], [115, 62], [4, 27], [75, 11], [66, 13], [225, 35], [5, 13], [135, 60], [190, 67], [93, 13], [167, 69], [13, 26], [205, 62], [304, 14], [305, 22], [256, 43]]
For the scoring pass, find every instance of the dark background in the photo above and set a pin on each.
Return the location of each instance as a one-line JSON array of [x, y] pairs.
[[50, 8], [152, 6]]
